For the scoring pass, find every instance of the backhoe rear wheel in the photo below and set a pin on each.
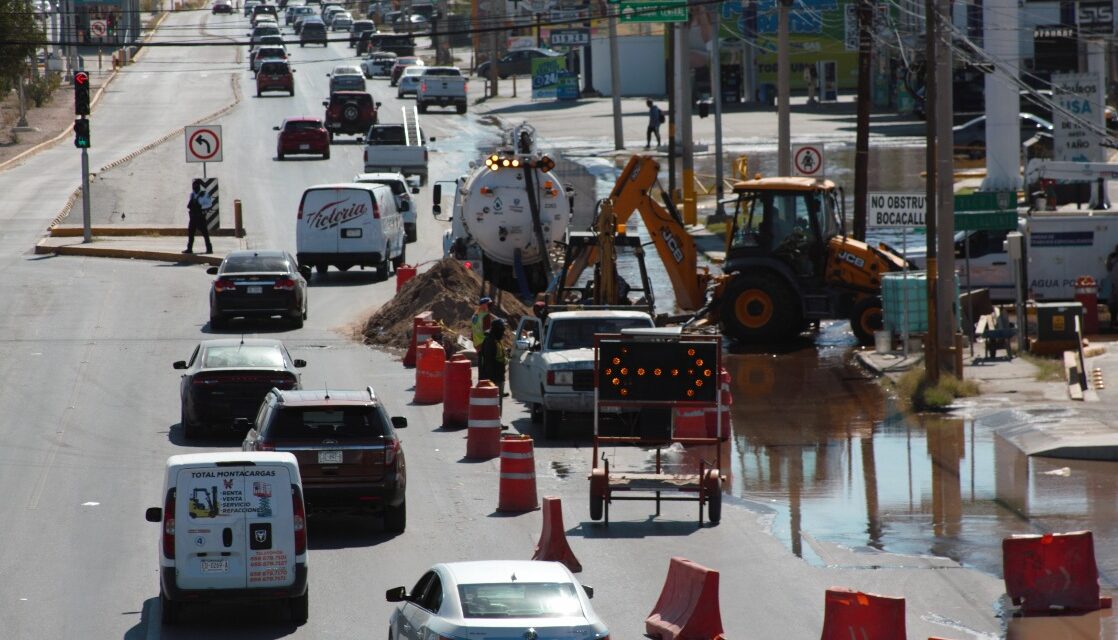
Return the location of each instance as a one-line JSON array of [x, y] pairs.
[[759, 308], [866, 318]]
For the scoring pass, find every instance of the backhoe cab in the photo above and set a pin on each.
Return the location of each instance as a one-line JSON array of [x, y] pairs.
[[789, 263]]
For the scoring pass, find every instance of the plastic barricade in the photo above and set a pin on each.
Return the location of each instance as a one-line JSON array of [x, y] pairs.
[[553, 545], [429, 372], [418, 321], [457, 380], [688, 605], [865, 616], [1052, 573], [483, 438], [518, 475]]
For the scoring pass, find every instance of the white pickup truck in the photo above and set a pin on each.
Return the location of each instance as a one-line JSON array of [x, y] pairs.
[[391, 148], [442, 86], [551, 368]]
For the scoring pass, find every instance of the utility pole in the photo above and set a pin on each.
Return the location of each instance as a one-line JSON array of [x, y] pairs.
[[783, 91], [931, 343], [716, 89], [683, 72], [615, 81], [670, 36], [945, 174], [862, 137], [494, 52]]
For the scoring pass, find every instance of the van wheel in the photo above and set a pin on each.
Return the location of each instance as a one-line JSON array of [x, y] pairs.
[[383, 267], [461, 108], [396, 518], [301, 607], [170, 613]]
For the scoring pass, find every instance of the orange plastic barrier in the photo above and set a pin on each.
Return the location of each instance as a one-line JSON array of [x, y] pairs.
[[866, 616], [457, 380], [553, 544], [404, 273], [1052, 573], [418, 321], [688, 605], [483, 439], [429, 371], [518, 475]]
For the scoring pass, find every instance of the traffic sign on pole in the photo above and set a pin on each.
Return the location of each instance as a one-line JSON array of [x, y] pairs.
[[570, 37], [654, 12], [808, 160], [203, 143]]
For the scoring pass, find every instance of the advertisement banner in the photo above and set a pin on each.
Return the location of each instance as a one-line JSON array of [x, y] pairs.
[[545, 78], [1080, 96]]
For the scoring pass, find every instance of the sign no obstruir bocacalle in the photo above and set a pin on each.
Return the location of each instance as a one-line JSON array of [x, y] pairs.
[[896, 210]]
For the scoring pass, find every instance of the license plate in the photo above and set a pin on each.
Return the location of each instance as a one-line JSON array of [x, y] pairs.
[[329, 457], [304, 147], [256, 289], [215, 566]]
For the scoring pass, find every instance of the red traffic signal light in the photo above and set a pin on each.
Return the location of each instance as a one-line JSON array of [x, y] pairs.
[[81, 93]]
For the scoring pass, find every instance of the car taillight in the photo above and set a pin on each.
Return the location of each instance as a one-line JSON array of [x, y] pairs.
[[285, 284], [366, 162], [423, 86], [169, 526], [224, 285], [560, 377], [204, 380], [299, 216], [300, 519], [265, 446], [391, 451], [425, 154], [465, 85], [376, 210], [284, 382]]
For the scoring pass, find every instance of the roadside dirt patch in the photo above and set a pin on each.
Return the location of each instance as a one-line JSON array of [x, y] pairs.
[[449, 291]]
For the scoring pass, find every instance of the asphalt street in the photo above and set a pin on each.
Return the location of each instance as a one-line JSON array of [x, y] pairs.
[[91, 413]]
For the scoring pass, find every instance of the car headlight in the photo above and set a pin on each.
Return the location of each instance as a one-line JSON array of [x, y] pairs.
[[561, 378]]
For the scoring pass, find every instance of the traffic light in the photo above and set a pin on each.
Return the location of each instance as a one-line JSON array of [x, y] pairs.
[[81, 133], [81, 93]]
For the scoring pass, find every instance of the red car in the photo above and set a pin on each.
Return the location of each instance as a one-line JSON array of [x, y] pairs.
[[275, 75], [304, 135], [403, 62]]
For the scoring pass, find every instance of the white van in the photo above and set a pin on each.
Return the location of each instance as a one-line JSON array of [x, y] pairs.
[[234, 528], [349, 225]]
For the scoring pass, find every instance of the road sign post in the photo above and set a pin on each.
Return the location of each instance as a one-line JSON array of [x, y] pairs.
[[904, 211], [203, 144], [651, 11]]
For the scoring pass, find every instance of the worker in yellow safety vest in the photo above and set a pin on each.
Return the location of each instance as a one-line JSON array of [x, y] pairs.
[[481, 321]]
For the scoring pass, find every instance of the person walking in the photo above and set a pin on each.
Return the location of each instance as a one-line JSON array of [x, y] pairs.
[[196, 208], [492, 359], [655, 119], [481, 321]]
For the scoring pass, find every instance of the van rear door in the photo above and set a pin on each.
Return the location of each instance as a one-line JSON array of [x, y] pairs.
[[235, 527], [358, 232]]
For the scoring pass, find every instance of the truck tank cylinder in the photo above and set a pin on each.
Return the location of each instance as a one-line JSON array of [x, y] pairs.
[[497, 215]]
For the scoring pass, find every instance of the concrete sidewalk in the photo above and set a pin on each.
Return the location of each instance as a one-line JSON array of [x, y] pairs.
[[159, 244]]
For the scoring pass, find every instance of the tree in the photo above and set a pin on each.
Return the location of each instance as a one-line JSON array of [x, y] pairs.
[[20, 35]]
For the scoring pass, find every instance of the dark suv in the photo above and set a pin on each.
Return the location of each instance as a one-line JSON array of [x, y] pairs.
[[349, 455], [313, 33], [350, 113]]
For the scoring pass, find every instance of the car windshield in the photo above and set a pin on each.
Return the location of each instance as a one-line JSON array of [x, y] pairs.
[[303, 125], [386, 135], [577, 333], [274, 68], [243, 356], [316, 423], [413, 71], [520, 600], [437, 71], [255, 264], [397, 186]]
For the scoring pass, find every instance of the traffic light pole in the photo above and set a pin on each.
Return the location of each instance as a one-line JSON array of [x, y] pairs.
[[87, 229]]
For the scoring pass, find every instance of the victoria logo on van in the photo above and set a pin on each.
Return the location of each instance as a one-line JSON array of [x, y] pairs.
[[335, 213]]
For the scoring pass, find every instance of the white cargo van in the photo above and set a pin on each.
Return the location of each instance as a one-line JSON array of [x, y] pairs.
[[349, 225], [234, 528]]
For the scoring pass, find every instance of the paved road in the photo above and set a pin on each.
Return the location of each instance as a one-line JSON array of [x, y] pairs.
[[91, 413]]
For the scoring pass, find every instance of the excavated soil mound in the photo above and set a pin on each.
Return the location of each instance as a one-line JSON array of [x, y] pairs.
[[450, 292]]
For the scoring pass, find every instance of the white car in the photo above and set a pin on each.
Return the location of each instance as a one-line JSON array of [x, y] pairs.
[[378, 63], [409, 81], [403, 190], [495, 599], [341, 21]]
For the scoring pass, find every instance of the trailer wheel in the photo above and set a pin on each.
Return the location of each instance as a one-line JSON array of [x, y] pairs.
[[713, 488], [866, 318], [759, 308], [598, 482]]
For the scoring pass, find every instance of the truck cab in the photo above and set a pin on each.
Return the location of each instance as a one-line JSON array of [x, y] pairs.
[[551, 368]]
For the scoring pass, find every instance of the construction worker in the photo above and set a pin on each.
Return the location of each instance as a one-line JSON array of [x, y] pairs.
[[481, 321], [491, 358]]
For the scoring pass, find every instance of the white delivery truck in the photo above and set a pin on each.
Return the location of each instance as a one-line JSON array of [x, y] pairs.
[[349, 225], [233, 529], [1059, 248]]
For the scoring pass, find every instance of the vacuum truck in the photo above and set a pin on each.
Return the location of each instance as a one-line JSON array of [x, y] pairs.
[[507, 215]]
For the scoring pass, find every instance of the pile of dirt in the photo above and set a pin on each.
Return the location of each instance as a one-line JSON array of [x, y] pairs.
[[450, 292]]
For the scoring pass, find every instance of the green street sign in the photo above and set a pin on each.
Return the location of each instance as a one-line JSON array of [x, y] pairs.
[[654, 12], [986, 221]]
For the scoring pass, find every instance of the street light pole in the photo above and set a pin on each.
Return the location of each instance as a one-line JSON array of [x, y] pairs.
[[783, 91], [716, 89], [615, 82]]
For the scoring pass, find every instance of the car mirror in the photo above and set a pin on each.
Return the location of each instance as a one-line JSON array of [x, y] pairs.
[[360, 140], [399, 594], [154, 514], [305, 271], [436, 210], [404, 207], [326, 103], [299, 364], [523, 343], [437, 194], [415, 191], [432, 138], [179, 364], [589, 590], [294, 70], [213, 270], [378, 104], [328, 75], [399, 422]]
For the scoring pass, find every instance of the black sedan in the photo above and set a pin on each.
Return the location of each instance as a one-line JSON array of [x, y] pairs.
[[225, 382], [517, 62], [258, 284]]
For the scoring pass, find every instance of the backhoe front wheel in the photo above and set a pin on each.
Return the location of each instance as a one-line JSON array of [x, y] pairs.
[[866, 318], [759, 308]]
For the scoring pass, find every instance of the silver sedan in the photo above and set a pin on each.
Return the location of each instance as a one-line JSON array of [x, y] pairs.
[[495, 600]]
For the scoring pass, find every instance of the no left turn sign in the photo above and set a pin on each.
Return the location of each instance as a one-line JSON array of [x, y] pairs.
[[808, 160], [203, 143]]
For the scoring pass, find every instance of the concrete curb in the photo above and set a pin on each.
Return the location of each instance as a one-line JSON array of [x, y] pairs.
[[128, 254], [75, 231]]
